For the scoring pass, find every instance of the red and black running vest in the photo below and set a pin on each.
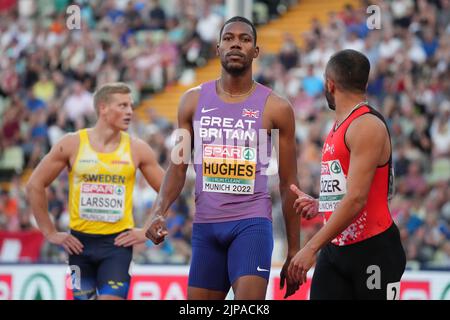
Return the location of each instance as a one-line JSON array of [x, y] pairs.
[[375, 217]]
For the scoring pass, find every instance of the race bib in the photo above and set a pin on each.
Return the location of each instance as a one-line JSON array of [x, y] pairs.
[[102, 202], [333, 185], [229, 169]]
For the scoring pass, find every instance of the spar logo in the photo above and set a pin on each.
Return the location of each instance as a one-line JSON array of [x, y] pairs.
[[249, 154], [325, 170], [229, 152], [97, 188], [222, 152], [120, 190], [102, 189], [336, 167], [38, 286]]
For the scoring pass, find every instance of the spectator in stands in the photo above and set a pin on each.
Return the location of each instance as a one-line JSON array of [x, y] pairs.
[[157, 16], [79, 106], [289, 54]]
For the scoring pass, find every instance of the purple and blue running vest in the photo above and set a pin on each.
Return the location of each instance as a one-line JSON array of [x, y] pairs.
[[231, 149]]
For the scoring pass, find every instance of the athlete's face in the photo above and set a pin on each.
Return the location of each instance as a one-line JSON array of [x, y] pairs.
[[236, 48], [118, 111]]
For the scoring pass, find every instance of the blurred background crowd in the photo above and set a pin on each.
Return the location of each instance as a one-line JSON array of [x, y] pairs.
[[48, 75]]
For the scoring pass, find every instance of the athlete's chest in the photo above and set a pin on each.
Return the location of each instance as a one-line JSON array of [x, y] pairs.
[[115, 168], [244, 123], [228, 116], [335, 148]]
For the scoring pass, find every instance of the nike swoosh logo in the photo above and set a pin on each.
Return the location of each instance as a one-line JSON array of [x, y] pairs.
[[208, 110], [261, 269]]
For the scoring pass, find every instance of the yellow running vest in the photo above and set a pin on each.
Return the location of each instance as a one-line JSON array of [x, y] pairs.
[[101, 188]]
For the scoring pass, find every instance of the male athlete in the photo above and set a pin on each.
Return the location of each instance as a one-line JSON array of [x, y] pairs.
[[232, 237], [102, 162], [361, 254]]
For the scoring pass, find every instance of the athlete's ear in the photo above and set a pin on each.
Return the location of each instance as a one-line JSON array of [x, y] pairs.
[[101, 108], [256, 54], [217, 49], [330, 85]]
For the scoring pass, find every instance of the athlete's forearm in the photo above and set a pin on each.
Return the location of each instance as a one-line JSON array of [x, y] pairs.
[[37, 198], [341, 218], [171, 188], [291, 219]]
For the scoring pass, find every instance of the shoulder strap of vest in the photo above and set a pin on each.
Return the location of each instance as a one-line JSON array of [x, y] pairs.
[[391, 176]]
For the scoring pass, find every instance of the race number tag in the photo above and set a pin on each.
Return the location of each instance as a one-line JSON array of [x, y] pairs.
[[333, 185], [229, 169], [102, 202]]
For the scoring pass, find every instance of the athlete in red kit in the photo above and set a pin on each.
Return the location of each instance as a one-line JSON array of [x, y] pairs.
[[361, 255]]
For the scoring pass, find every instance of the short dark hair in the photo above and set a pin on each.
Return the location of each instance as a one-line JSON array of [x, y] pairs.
[[239, 19], [350, 69]]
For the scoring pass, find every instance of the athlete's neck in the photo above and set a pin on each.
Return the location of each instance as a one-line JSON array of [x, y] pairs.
[[346, 103], [104, 136], [235, 85]]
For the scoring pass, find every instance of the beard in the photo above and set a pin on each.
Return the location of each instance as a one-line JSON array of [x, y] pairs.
[[235, 69], [330, 100]]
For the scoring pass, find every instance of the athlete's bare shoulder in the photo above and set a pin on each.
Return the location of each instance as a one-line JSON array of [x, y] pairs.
[[190, 98], [141, 151], [188, 104], [193, 91], [278, 110], [67, 146], [138, 144], [277, 101], [368, 127], [368, 124]]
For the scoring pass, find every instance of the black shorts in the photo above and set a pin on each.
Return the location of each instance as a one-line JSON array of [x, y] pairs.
[[101, 269], [367, 270]]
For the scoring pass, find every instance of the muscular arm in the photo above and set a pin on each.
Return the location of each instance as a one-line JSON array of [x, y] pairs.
[[175, 176], [281, 117], [145, 160], [283, 120], [364, 160], [147, 163], [44, 174]]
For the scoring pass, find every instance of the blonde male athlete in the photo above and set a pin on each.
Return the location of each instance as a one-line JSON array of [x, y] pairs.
[[102, 162]]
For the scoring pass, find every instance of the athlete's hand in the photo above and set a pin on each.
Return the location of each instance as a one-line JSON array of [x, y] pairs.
[[71, 244], [305, 205], [291, 285], [301, 263], [157, 230], [130, 237]]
